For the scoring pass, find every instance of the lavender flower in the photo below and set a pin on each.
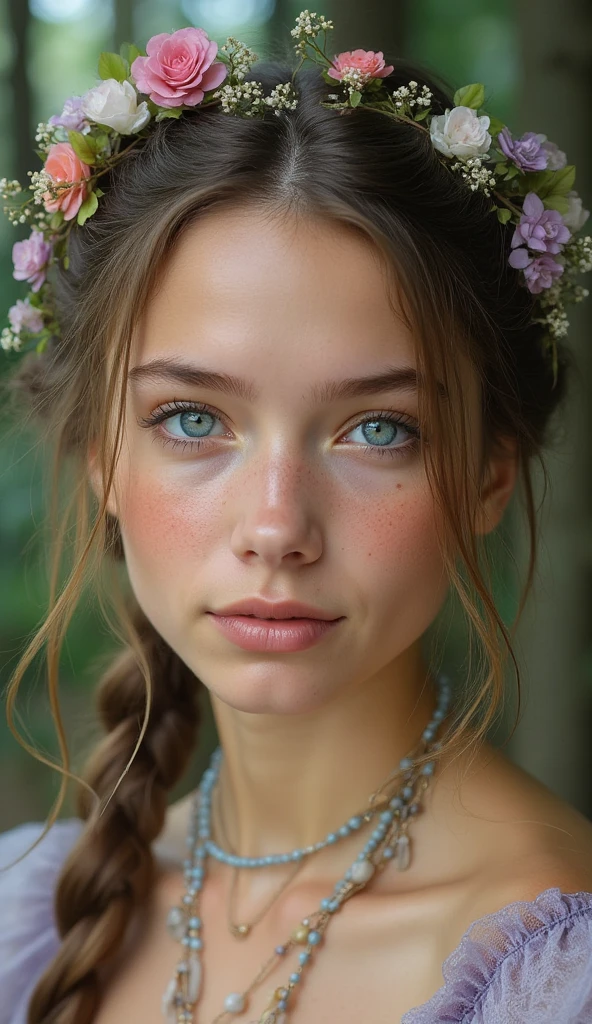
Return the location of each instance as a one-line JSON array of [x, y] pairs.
[[24, 316], [528, 152], [540, 229], [72, 116], [540, 273], [30, 258]]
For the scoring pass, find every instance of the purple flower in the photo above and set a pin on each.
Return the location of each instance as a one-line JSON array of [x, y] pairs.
[[72, 116], [540, 272], [528, 152], [24, 316], [30, 259], [540, 229], [556, 158]]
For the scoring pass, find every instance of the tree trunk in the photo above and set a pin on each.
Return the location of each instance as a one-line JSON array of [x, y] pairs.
[[553, 739], [22, 125]]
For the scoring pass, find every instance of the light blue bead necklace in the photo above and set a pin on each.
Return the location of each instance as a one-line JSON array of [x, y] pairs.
[[389, 841]]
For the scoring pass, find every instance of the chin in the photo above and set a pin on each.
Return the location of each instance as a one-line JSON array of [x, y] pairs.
[[275, 694]]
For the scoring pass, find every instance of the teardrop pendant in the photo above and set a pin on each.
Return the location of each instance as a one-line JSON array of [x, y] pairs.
[[193, 978], [176, 923], [403, 854]]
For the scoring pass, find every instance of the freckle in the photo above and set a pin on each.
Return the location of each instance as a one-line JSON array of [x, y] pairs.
[[399, 485]]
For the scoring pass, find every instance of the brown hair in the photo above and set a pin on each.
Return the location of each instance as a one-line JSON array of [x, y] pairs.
[[448, 254]]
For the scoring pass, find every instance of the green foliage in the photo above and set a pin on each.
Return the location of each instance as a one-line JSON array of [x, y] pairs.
[[472, 96], [129, 51], [495, 125], [87, 209], [355, 98], [84, 146], [111, 65], [503, 214], [164, 112]]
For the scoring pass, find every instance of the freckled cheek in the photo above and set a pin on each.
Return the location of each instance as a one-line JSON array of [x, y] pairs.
[[394, 543], [164, 524]]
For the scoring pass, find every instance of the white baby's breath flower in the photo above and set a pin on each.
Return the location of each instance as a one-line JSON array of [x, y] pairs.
[[245, 98], [283, 97], [116, 104], [10, 341], [461, 133]]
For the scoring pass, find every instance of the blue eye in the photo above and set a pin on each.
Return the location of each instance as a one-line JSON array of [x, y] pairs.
[[197, 420]]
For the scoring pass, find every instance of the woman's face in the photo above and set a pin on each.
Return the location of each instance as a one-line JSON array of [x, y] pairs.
[[298, 489]]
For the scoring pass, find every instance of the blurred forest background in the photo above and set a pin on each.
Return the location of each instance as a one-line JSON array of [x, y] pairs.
[[535, 59]]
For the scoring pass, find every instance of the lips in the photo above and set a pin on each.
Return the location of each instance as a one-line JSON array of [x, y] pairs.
[[260, 608]]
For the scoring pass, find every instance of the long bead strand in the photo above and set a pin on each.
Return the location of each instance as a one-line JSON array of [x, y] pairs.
[[389, 842]]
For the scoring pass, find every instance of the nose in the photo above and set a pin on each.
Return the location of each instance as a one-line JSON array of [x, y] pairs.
[[277, 521]]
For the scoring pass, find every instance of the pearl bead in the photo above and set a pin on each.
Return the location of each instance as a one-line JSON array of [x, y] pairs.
[[234, 1002], [300, 934], [362, 871]]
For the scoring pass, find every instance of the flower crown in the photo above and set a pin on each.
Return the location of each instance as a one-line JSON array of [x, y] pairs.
[[528, 178]]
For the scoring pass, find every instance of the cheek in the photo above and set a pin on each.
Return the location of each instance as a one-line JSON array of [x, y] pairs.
[[397, 560], [165, 525]]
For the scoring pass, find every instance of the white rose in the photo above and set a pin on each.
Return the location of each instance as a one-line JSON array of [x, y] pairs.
[[116, 104], [576, 216], [459, 132]]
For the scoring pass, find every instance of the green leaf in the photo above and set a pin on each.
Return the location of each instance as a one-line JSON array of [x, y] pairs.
[[168, 112], [556, 202], [41, 346], [99, 192], [422, 114], [503, 214], [129, 52], [495, 126], [100, 142], [355, 98], [66, 262], [328, 79], [564, 179], [152, 107], [83, 147], [56, 220], [111, 65], [512, 172], [87, 209], [501, 168], [470, 96]]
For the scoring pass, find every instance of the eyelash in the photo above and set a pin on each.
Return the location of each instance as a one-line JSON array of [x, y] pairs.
[[175, 407]]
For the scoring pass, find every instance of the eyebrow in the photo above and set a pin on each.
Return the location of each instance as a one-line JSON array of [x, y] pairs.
[[402, 378]]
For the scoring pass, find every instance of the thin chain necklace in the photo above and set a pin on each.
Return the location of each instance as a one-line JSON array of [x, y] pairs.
[[241, 931], [388, 842]]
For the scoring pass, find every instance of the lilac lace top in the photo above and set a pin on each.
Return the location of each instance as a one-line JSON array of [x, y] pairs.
[[528, 963]]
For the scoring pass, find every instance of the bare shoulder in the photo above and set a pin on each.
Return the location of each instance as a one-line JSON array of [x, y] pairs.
[[522, 838]]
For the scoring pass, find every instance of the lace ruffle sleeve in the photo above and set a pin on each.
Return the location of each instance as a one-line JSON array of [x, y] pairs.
[[528, 963], [28, 935]]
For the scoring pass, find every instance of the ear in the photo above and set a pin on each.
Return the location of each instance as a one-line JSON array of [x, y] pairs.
[[498, 485], [96, 481]]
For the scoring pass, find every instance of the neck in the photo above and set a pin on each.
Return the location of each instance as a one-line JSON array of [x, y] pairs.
[[286, 781]]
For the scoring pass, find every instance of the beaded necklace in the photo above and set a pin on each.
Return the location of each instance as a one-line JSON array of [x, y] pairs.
[[388, 842]]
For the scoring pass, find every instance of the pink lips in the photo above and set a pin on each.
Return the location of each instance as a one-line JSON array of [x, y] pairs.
[[260, 634]]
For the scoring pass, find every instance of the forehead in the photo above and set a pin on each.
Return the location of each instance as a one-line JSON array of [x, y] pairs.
[[243, 281]]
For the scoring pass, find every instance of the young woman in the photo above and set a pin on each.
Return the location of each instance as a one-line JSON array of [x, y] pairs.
[[300, 364]]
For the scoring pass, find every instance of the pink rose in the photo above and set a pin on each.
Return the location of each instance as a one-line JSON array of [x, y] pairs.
[[369, 63], [62, 164], [30, 259], [179, 68]]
